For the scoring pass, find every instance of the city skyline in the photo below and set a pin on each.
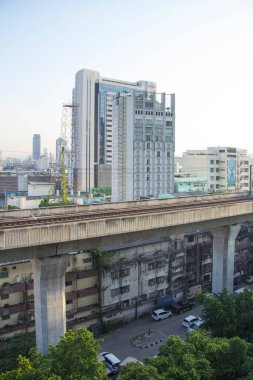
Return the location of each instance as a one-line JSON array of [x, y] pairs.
[[197, 50]]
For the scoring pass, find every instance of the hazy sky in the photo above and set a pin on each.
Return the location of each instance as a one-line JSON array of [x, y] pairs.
[[202, 50]]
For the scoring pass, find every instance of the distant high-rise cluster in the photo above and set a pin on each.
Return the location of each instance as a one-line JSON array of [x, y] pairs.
[[123, 136], [36, 147]]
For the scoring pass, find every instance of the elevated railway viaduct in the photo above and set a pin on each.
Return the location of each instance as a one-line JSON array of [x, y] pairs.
[[47, 236]]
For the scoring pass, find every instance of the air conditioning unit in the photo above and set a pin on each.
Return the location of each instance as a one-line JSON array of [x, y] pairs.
[[17, 279]]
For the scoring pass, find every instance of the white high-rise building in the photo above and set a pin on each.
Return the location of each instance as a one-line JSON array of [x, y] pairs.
[[143, 145], [92, 125], [226, 168]]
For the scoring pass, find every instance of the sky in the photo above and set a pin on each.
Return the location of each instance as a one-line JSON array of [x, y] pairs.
[[201, 50]]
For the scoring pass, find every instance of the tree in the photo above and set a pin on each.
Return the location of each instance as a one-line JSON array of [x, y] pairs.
[[74, 357], [177, 360], [229, 315], [228, 358], [137, 371], [18, 345]]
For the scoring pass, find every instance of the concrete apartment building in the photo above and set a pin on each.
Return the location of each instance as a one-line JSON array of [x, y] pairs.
[[225, 168], [92, 125], [187, 183], [143, 145], [123, 284]]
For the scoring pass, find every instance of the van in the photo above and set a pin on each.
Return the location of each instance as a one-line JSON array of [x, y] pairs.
[[111, 361]]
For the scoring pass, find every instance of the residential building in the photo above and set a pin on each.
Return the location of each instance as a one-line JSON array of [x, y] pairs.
[[187, 183], [124, 284], [143, 145], [36, 147], [92, 124], [225, 168]]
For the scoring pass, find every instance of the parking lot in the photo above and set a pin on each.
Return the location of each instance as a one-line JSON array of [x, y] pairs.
[[149, 333]]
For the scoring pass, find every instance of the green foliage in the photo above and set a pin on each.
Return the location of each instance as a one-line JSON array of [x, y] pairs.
[[74, 357], [202, 357], [102, 190], [103, 259], [229, 315], [18, 345], [13, 207], [45, 203], [137, 371], [178, 360], [228, 358]]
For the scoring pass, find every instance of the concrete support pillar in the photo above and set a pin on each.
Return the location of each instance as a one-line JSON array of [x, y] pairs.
[[49, 300], [230, 259], [223, 257]]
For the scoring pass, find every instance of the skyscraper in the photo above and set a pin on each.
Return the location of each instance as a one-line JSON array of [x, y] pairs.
[[36, 147], [143, 145], [92, 127]]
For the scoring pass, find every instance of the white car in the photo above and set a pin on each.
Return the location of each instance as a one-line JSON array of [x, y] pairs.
[[196, 325], [189, 320], [111, 361], [161, 314]]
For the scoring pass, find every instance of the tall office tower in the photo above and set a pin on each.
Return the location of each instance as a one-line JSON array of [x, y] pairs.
[[226, 168], [36, 147], [143, 145], [1, 161], [92, 126]]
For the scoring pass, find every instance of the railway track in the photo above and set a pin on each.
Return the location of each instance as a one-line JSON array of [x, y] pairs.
[[98, 214]]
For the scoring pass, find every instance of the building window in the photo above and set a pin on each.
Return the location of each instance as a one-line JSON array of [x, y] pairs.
[[124, 272], [125, 304], [160, 280], [68, 283], [125, 289], [4, 273], [115, 292], [89, 260], [5, 317], [151, 266], [151, 282], [69, 302], [4, 296]]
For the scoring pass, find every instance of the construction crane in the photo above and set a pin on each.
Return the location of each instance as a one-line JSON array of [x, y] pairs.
[[64, 193]]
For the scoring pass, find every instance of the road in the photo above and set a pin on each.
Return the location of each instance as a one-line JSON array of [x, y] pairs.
[[119, 341]]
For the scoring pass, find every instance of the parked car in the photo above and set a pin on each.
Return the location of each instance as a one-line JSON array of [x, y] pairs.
[[186, 305], [249, 279], [200, 324], [111, 361], [175, 308], [161, 314], [179, 307], [187, 321]]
